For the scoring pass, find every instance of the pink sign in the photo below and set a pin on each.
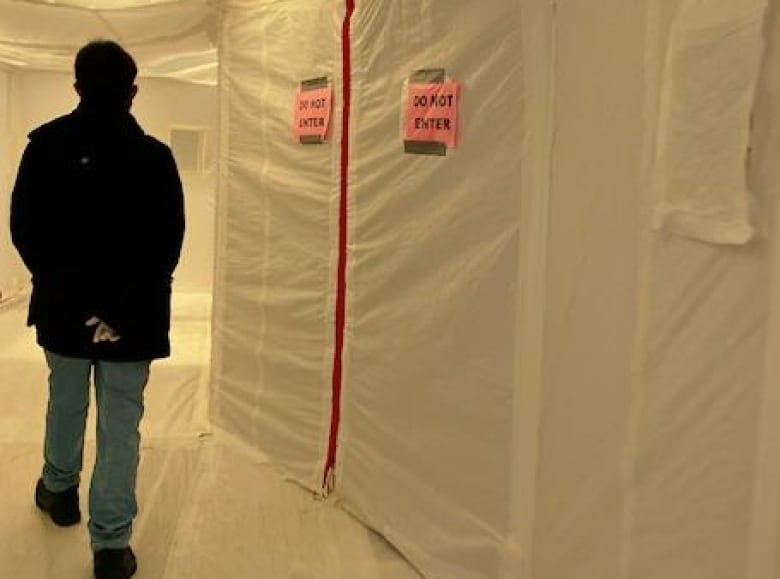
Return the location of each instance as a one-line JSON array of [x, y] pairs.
[[432, 113], [312, 113]]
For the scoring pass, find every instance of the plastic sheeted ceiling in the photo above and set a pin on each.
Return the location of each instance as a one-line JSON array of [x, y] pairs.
[[173, 39]]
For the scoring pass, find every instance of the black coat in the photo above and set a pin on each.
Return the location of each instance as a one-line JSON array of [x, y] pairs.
[[97, 215]]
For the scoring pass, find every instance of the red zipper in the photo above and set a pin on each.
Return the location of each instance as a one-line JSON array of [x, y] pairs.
[[341, 288]]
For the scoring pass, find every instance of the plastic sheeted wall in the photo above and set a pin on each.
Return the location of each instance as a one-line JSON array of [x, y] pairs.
[[426, 446], [425, 451], [636, 436], [276, 250], [655, 344], [10, 273]]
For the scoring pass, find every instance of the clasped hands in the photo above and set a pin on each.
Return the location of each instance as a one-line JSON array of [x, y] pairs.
[[103, 332]]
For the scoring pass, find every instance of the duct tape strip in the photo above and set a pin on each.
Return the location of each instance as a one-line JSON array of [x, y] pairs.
[[310, 140], [314, 83], [425, 148], [426, 76]]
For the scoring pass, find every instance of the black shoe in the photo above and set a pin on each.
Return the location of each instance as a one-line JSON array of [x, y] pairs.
[[115, 563], [63, 507]]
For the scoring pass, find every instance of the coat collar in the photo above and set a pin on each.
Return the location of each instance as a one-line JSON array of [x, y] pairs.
[[116, 121]]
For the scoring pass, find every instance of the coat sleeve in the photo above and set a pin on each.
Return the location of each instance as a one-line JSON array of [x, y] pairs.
[[25, 203], [172, 216]]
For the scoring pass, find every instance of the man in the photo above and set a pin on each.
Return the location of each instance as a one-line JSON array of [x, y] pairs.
[[97, 216]]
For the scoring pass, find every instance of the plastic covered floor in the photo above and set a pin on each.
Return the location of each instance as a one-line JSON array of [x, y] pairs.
[[209, 507]]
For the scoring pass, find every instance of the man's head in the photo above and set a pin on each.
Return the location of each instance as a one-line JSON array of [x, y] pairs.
[[105, 75]]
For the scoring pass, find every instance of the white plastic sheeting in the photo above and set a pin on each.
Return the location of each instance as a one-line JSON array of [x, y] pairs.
[[715, 52], [173, 39], [10, 268], [276, 255], [426, 446], [655, 375], [635, 437], [425, 453]]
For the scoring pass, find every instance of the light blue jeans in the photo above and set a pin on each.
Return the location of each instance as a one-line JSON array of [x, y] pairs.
[[119, 392]]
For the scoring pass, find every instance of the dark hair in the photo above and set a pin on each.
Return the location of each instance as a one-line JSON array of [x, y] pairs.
[[105, 73]]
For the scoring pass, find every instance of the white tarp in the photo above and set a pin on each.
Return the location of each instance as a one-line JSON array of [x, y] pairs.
[[655, 348], [427, 439], [10, 271], [426, 447], [643, 437], [276, 250], [715, 52], [174, 39]]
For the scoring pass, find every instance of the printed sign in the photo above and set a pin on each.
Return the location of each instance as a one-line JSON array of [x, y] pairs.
[[312, 114], [432, 113]]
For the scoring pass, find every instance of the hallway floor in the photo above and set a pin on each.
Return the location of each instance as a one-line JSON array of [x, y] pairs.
[[209, 506]]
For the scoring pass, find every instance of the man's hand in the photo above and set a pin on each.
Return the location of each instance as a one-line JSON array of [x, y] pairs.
[[103, 332]]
